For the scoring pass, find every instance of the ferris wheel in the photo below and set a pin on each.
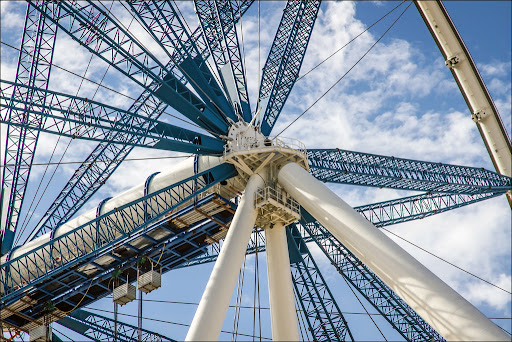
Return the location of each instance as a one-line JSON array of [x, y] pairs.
[[243, 189]]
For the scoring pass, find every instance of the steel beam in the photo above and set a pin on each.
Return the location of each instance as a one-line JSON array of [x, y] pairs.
[[80, 118], [458, 59], [323, 315], [105, 38], [106, 157], [432, 299], [214, 17], [285, 58], [283, 315], [356, 168], [212, 309], [34, 66], [164, 24], [101, 328]]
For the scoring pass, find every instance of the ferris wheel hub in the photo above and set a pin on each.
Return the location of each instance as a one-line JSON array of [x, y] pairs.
[[250, 152]]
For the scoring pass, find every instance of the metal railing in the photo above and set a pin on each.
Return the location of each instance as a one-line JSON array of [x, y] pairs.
[[278, 195]]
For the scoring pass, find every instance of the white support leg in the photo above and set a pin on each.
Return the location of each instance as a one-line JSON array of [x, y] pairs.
[[282, 306], [438, 304], [210, 314]]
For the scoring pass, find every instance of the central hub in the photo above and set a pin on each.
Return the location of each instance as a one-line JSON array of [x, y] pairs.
[[250, 151], [243, 136]]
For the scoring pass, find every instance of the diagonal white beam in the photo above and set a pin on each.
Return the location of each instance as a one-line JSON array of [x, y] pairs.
[[483, 110], [212, 309], [438, 304]]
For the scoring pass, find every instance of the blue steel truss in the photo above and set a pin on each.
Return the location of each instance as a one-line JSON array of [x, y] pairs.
[[163, 241], [356, 168], [86, 242], [106, 157], [223, 44], [404, 319], [417, 207], [386, 302], [100, 328], [67, 270], [324, 317], [80, 118], [34, 66], [164, 24], [384, 214], [283, 64], [95, 30]]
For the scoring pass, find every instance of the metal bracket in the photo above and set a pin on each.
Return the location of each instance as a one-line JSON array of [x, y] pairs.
[[451, 62], [479, 115]]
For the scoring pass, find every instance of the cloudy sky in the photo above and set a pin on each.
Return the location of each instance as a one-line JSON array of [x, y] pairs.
[[399, 100]]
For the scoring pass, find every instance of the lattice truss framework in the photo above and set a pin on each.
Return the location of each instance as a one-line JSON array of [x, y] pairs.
[[183, 224]]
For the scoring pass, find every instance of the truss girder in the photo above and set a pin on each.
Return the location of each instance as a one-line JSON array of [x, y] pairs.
[[285, 58], [225, 15], [72, 288], [222, 41], [384, 214], [97, 236], [164, 24], [34, 66], [323, 315], [80, 118], [417, 207], [404, 319], [100, 328], [106, 157], [95, 30], [356, 168]]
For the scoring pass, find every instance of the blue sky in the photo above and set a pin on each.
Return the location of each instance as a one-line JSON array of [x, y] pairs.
[[400, 100]]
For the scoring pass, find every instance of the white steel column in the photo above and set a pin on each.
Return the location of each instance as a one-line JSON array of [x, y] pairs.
[[210, 314], [282, 305], [438, 304]]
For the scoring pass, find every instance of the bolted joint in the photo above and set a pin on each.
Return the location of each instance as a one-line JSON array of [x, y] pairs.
[[479, 115], [452, 62]]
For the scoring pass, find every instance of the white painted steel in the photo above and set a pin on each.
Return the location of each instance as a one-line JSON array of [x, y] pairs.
[[438, 304], [177, 173], [212, 309], [280, 287], [471, 84]]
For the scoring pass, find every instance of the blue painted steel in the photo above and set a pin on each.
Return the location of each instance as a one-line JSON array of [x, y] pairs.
[[165, 26], [80, 118], [215, 17], [81, 244], [93, 28], [417, 207], [100, 328], [91, 175], [173, 247], [283, 63], [34, 66], [324, 317], [404, 319], [387, 213], [356, 168]]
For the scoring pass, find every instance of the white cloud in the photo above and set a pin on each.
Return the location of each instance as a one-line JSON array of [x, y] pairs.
[[495, 69], [12, 14], [397, 101]]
